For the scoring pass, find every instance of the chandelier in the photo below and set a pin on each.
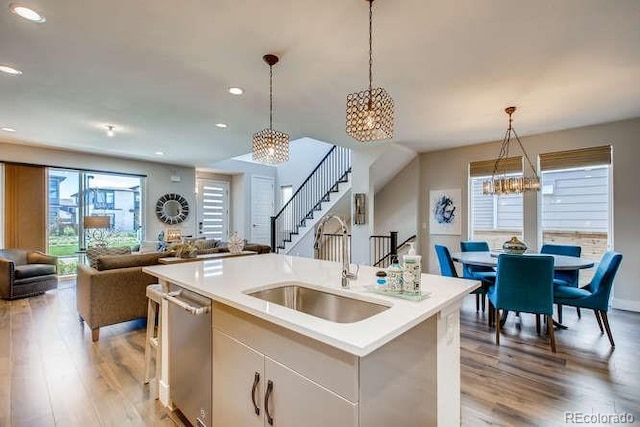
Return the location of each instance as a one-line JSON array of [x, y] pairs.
[[499, 182], [370, 112], [269, 145]]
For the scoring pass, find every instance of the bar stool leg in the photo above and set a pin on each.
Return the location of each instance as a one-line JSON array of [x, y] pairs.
[[151, 322]]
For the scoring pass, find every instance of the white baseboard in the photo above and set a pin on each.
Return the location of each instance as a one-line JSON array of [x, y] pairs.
[[163, 391], [626, 304]]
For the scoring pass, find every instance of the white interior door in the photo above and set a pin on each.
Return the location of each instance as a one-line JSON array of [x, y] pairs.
[[213, 209], [262, 204]]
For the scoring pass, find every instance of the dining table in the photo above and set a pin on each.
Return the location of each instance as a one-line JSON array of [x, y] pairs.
[[490, 259]]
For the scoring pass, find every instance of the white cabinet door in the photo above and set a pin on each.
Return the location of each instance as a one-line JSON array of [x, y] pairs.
[[236, 368], [296, 401]]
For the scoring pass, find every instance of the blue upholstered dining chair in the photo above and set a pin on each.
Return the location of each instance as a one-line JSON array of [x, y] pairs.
[[595, 295], [449, 270], [486, 274], [563, 277], [524, 284]]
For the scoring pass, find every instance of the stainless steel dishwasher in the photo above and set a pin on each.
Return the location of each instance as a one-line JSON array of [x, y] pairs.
[[190, 334]]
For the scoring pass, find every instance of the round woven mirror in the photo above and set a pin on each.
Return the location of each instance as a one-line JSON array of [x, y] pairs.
[[172, 208]]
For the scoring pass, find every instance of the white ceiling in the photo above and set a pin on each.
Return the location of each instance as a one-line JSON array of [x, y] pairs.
[[159, 70]]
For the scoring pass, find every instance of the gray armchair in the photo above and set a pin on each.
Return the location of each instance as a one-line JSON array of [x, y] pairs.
[[25, 273]]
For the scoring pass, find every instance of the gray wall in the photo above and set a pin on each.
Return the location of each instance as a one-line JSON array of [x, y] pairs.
[[396, 204], [203, 174], [158, 180], [449, 169], [242, 172], [304, 156]]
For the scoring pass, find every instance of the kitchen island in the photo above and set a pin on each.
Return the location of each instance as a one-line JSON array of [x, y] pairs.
[[273, 365]]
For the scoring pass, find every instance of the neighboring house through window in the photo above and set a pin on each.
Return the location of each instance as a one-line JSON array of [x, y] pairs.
[[494, 219], [576, 201], [74, 194]]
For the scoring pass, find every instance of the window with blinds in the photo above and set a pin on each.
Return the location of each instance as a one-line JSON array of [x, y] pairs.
[[576, 193], [494, 219]]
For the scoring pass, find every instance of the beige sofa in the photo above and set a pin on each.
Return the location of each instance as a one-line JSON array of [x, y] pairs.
[[114, 291], [212, 246]]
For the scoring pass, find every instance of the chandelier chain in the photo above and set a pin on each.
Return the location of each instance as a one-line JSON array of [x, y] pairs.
[[503, 154], [370, 49], [499, 183], [526, 156], [270, 96]]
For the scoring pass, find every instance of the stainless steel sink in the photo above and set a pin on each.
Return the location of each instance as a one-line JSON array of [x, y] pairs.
[[336, 308]]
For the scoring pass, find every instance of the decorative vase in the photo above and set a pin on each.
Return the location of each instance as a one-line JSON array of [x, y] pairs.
[[235, 244], [514, 246]]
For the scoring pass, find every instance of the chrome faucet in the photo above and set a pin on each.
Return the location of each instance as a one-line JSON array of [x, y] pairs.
[[346, 272]]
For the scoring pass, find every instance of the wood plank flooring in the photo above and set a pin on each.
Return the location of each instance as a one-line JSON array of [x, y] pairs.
[[521, 382], [51, 374]]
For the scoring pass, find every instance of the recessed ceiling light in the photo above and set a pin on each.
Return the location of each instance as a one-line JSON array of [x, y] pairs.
[[159, 153], [236, 90], [10, 70], [110, 130], [26, 12], [8, 129], [221, 125]]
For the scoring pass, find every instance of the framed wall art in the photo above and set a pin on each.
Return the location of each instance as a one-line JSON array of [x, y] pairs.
[[445, 212]]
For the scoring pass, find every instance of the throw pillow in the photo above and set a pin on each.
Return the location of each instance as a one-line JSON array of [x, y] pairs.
[[206, 244], [94, 252]]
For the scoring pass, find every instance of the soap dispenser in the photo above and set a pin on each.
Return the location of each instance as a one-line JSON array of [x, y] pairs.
[[394, 276], [412, 248], [412, 272]]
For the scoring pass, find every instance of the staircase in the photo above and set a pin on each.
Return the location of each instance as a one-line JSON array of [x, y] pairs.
[[326, 184]]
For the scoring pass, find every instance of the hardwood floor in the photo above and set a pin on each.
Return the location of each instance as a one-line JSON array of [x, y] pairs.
[[521, 382], [52, 374]]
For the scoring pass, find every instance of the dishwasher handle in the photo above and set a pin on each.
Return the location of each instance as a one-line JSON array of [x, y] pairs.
[[172, 297]]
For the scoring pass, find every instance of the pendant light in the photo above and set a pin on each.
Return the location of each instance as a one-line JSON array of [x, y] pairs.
[[269, 145], [370, 112], [499, 182]]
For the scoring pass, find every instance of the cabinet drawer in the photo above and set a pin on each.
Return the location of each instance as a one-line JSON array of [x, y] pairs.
[[334, 369]]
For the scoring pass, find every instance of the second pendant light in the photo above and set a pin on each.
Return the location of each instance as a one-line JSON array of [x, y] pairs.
[[270, 146]]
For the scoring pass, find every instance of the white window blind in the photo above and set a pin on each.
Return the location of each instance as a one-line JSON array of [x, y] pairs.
[[576, 200], [491, 212]]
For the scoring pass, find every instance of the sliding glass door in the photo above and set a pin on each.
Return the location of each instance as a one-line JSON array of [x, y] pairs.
[[91, 208], [63, 239]]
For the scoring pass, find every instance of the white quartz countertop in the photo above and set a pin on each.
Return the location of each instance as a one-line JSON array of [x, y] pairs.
[[229, 280]]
